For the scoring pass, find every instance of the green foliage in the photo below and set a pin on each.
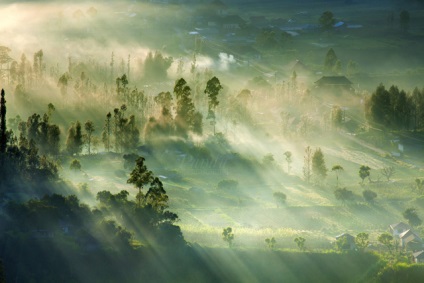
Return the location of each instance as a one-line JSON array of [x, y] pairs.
[[364, 172], [411, 215], [389, 108], [318, 164], [401, 272], [267, 38], [387, 240], [369, 195], [343, 194], [300, 242], [268, 159], [213, 87], [89, 129], [388, 172], [129, 160], [107, 132], [156, 66], [419, 184], [288, 156], [228, 236], [3, 133], [330, 60], [336, 116], [75, 165], [337, 168], [43, 133], [342, 244], [20, 162], [140, 177], [361, 241], [327, 20], [280, 198], [271, 242], [125, 130], [307, 159], [74, 141], [185, 109]]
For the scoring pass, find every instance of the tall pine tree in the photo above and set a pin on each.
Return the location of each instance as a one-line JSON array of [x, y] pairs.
[[3, 133]]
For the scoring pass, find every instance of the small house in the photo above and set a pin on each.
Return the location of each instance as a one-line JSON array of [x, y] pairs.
[[418, 257], [334, 83], [398, 228], [409, 239], [349, 241]]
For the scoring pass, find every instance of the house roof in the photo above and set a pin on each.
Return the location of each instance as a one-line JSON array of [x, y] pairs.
[[400, 226], [334, 80], [345, 235], [409, 236], [419, 254]]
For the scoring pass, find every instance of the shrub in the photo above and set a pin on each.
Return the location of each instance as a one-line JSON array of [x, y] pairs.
[[369, 195]]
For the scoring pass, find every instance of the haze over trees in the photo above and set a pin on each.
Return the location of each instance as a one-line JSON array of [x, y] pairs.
[[135, 131]]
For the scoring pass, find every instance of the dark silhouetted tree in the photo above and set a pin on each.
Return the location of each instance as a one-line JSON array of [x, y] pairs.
[[288, 156], [411, 215], [318, 164], [280, 198], [336, 116], [361, 241], [89, 129], [228, 236], [387, 240], [185, 107], [300, 242], [156, 66], [75, 165], [307, 163], [369, 195], [3, 131], [330, 60], [364, 172], [107, 132], [388, 172], [63, 83], [213, 87], [327, 20], [140, 177], [271, 242], [74, 141], [337, 169], [343, 195]]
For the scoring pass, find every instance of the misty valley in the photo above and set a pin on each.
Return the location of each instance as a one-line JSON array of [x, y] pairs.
[[212, 141]]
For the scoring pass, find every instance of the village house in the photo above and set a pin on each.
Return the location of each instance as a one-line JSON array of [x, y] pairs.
[[349, 241], [409, 239], [398, 228], [418, 256], [334, 83]]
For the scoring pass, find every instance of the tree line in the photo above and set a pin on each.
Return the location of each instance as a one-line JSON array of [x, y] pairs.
[[395, 109]]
